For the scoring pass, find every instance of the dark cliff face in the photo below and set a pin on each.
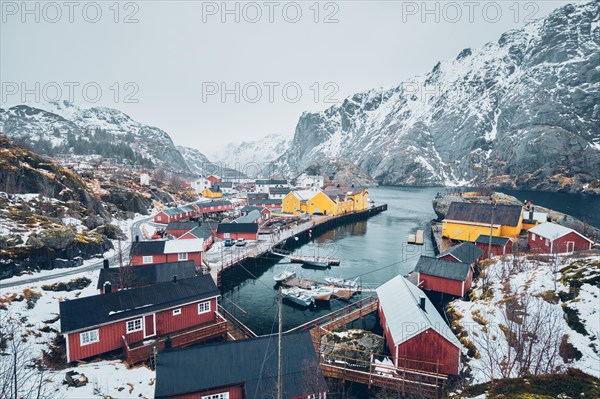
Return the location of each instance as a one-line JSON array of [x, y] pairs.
[[519, 112]]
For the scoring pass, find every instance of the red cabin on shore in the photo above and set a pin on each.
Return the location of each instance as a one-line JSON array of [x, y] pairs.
[[416, 334], [248, 231], [265, 203], [552, 238], [200, 232], [140, 319], [170, 215], [243, 369], [149, 252], [500, 245], [205, 207], [445, 276]]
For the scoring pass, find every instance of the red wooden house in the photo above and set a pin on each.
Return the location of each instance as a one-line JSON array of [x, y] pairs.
[[244, 369], [465, 252], [214, 179], [248, 231], [177, 229], [148, 252], [265, 203], [552, 238], [200, 232], [117, 278], [416, 334], [169, 215], [205, 207], [500, 245], [140, 320], [445, 276]]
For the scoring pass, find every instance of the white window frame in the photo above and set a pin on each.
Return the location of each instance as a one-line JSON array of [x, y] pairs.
[[176, 312], [134, 327], [159, 218], [145, 259], [204, 307], [533, 237], [220, 395], [182, 256], [87, 337]]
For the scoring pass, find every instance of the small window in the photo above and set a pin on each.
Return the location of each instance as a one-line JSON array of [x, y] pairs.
[[88, 337], [532, 236], [159, 218], [134, 325], [182, 256], [147, 259], [176, 312], [203, 307], [223, 395]]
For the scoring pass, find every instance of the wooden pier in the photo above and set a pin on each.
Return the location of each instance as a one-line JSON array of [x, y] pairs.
[[268, 244]]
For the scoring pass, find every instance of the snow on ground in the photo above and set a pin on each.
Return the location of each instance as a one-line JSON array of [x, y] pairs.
[[537, 279], [112, 378]]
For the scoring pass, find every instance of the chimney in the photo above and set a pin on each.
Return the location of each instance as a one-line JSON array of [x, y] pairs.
[[107, 287], [422, 302], [137, 238], [174, 278], [531, 213], [105, 263]]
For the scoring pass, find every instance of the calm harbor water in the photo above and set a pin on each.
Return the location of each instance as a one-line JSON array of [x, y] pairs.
[[374, 250]]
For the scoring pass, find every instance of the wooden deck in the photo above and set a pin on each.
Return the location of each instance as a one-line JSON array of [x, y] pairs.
[[141, 351]]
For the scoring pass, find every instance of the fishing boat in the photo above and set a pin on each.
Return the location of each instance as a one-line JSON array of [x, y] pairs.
[[322, 293], [340, 282], [284, 275], [297, 296], [317, 263]]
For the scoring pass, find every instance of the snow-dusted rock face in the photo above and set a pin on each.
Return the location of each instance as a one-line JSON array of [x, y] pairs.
[[196, 161], [247, 155], [523, 111], [66, 128]]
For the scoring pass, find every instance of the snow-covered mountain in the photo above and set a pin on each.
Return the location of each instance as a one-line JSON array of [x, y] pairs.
[[246, 155], [67, 128], [523, 111]]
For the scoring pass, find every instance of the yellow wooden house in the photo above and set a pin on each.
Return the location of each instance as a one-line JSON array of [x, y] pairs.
[[295, 201], [212, 192], [465, 221], [333, 202]]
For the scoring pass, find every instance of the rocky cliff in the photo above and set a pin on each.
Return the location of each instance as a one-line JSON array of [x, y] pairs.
[[520, 112]]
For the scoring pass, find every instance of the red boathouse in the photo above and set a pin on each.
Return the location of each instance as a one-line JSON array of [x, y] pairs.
[[149, 252], [552, 238], [416, 334], [445, 276]]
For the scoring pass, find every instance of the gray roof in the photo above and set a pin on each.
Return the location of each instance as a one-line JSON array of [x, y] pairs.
[[251, 217], [443, 268], [271, 182], [251, 363], [201, 232], [466, 252], [399, 300], [496, 241], [507, 215], [264, 201], [138, 276], [182, 225]]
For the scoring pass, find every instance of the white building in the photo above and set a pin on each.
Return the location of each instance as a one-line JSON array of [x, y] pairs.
[[262, 186], [310, 181], [144, 179], [201, 184]]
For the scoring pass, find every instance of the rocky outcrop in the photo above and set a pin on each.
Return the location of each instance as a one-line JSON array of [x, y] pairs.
[[351, 344], [340, 171], [521, 112]]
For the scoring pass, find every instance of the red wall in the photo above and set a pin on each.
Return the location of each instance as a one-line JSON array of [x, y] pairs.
[[559, 245], [445, 285], [449, 257], [496, 249], [177, 233], [429, 346], [235, 236], [164, 218], [137, 260], [111, 334]]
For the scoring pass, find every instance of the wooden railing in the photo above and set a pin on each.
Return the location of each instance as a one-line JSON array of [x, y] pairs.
[[144, 350]]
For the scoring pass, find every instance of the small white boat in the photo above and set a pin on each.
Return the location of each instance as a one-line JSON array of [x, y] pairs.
[[322, 293], [316, 263], [340, 282], [297, 296], [284, 275]]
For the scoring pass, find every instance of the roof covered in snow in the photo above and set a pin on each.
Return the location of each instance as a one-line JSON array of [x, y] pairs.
[[400, 302], [181, 246], [552, 231]]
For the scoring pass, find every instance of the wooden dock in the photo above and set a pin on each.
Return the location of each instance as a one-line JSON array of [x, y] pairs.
[[267, 244], [417, 238]]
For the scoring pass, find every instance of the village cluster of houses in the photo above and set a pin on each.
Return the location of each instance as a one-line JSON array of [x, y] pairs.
[[482, 230]]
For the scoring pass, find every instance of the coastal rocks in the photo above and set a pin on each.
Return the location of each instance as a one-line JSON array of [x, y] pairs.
[[75, 379], [10, 240], [341, 171], [55, 239], [351, 344], [75, 284]]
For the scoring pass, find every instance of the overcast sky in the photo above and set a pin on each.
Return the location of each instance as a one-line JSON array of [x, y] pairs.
[[173, 59]]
